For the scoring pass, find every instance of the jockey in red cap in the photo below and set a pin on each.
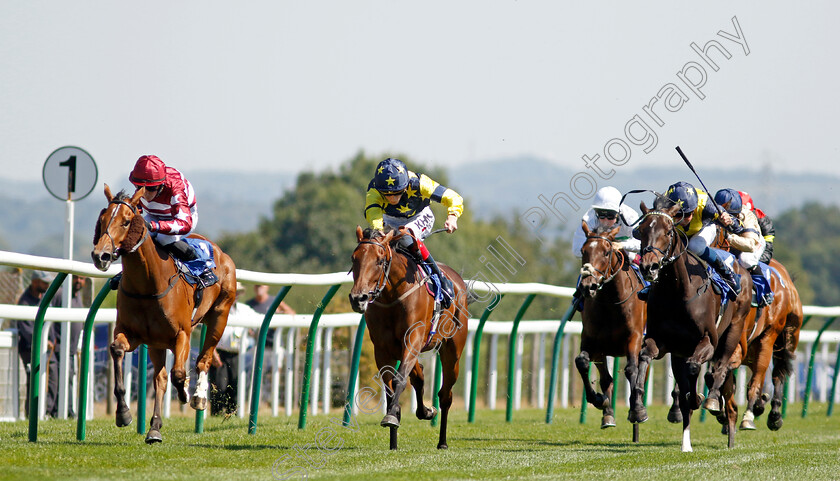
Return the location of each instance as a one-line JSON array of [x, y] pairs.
[[169, 207]]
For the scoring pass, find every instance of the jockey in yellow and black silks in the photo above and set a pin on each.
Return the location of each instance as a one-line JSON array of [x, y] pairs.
[[397, 197], [699, 222]]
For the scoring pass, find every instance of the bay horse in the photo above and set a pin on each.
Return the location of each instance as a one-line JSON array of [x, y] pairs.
[[613, 317], [389, 289], [773, 335], [685, 317], [155, 305]]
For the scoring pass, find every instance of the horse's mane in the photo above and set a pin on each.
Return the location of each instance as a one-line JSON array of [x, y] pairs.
[[121, 196], [373, 234]]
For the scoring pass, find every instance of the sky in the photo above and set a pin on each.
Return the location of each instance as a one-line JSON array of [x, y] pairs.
[[279, 86]]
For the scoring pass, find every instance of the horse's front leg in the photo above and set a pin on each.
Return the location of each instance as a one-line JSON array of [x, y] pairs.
[[607, 386], [179, 373], [582, 363], [202, 365], [158, 357], [650, 351], [118, 348]]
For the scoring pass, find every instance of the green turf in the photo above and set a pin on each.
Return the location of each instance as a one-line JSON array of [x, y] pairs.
[[490, 448]]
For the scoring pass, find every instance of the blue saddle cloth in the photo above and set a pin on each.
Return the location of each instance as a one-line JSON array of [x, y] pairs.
[[638, 274], [204, 262], [720, 285], [761, 285]]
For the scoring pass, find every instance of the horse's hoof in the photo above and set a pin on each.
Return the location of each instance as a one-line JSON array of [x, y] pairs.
[[674, 416], [154, 437], [712, 405], [198, 403], [443, 446], [637, 417], [123, 418], [390, 421], [607, 422], [426, 414], [774, 421], [747, 425]]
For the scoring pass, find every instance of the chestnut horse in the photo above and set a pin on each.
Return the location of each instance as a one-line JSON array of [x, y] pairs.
[[685, 317], [155, 305], [774, 335], [389, 289], [613, 317]]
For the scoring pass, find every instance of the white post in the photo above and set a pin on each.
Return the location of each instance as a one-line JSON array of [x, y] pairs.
[[128, 377], [66, 294], [316, 369], [741, 387], [290, 368], [669, 381], [167, 396], [276, 358], [327, 378], [564, 379], [493, 370], [517, 379], [91, 385], [541, 371], [648, 392], [42, 377], [822, 371], [241, 381], [466, 362]]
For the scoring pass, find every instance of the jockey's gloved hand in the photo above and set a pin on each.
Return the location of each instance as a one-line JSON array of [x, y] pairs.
[[150, 226]]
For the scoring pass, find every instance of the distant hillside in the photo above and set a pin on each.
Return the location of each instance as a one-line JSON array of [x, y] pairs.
[[31, 221], [511, 186]]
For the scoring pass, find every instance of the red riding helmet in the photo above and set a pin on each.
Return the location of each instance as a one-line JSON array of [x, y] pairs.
[[148, 171]]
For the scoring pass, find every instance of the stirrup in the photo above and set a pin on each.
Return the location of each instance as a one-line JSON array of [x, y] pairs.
[[207, 278]]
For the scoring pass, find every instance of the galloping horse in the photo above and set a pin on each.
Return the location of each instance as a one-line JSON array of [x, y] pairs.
[[389, 289], [155, 306], [613, 316], [685, 318], [774, 335]]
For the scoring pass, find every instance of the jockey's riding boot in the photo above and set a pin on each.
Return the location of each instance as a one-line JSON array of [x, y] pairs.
[[114, 282], [734, 280], [755, 271], [643, 293], [445, 283], [767, 298], [181, 251]]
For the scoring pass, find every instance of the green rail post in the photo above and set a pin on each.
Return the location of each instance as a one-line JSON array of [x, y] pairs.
[[436, 395], [555, 361], [354, 371], [785, 396], [616, 365], [810, 375], [81, 420], [705, 393], [35, 361], [476, 354], [199, 415], [258, 361], [142, 365], [514, 334], [310, 347], [830, 410], [584, 406]]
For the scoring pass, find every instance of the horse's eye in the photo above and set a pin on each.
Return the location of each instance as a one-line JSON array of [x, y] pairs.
[[126, 223]]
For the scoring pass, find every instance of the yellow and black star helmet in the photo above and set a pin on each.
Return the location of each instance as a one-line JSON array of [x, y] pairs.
[[391, 176]]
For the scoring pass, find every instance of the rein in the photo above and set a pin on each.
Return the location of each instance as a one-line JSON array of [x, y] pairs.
[[604, 275], [665, 258]]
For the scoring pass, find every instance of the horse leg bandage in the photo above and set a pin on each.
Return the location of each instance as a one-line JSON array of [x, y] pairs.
[[201, 386]]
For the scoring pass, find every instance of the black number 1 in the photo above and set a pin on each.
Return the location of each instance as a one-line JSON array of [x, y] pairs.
[[71, 173]]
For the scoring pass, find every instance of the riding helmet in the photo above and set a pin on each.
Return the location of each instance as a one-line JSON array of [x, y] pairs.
[[391, 176], [729, 199], [607, 198], [148, 171], [684, 195]]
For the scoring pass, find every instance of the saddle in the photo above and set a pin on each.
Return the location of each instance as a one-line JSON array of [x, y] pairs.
[[199, 271], [762, 292]]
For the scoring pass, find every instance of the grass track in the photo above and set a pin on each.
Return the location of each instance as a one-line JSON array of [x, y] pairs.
[[490, 448]]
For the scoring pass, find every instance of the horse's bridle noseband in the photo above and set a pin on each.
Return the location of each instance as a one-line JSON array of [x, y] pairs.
[[665, 258], [114, 247], [610, 274], [386, 269]]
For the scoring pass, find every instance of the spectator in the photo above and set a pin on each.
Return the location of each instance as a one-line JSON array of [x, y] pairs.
[[38, 285], [261, 302]]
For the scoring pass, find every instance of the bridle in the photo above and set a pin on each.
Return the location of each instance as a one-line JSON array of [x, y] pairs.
[[588, 269], [386, 269], [114, 248], [664, 257]]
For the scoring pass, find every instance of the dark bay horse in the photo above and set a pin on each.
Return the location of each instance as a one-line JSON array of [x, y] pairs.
[[389, 290], [613, 317], [155, 305], [685, 318], [774, 335]]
